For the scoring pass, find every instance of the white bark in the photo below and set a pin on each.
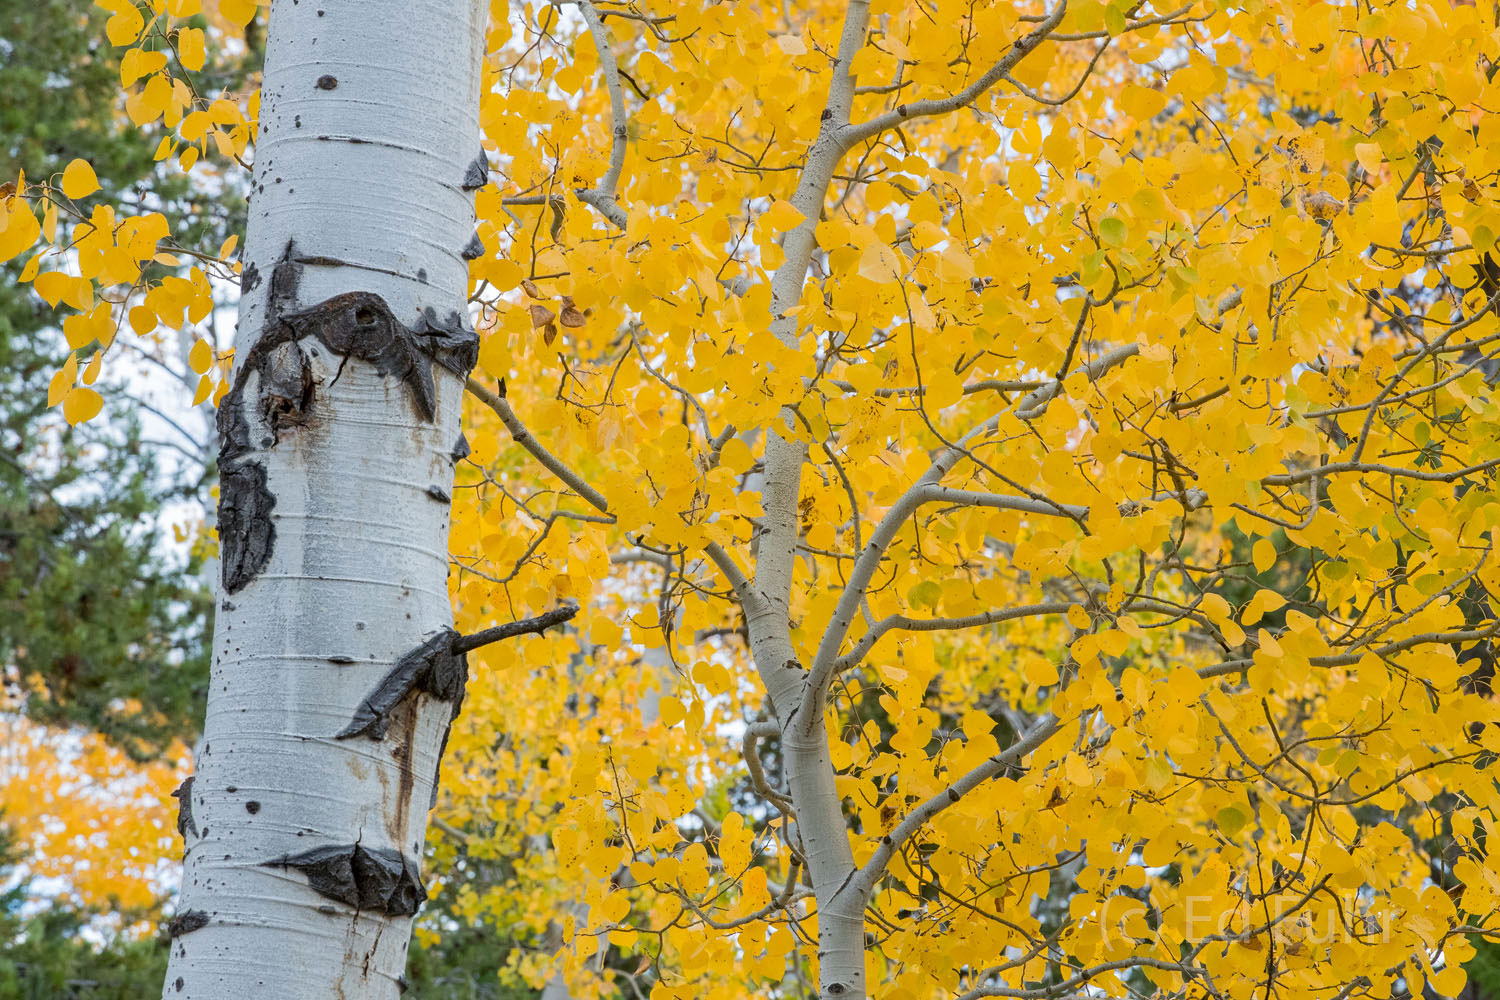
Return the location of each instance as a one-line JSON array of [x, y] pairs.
[[821, 826], [365, 165], [797, 690]]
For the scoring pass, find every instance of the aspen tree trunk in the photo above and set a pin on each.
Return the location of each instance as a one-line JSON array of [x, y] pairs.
[[335, 673], [810, 776]]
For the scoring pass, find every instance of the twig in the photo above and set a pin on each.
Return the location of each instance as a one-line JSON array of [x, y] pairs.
[[525, 439], [537, 625]]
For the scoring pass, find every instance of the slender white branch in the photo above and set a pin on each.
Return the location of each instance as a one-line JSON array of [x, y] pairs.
[[872, 870], [1034, 403], [602, 196], [853, 134], [926, 490], [1349, 659], [904, 623], [749, 598]]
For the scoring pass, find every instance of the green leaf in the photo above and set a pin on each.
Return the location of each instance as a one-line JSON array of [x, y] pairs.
[[1231, 820], [1113, 231]]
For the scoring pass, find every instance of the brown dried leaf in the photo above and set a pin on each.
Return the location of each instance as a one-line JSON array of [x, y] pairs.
[[529, 287], [541, 315], [549, 334], [1322, 205], [571, 316]]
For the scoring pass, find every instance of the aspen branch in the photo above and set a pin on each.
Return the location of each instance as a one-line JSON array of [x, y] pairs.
[[1054, 102], [527, 440], [1349, 659], [852, 134], [1034, 403], [905, 623], [753, 735], [784, 459], [926, 491], [1145, 22], [749, 598], [1303, 475], [873, 869], [602, 196], [870, 873], [526, 626], [1059, 991]]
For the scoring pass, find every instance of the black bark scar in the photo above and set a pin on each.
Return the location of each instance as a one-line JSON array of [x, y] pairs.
[[367, 878], [355, 324], [186, 922], [246, 532], [434, 668], [439, 667], [477, 173], [184, 797], [361, 325]]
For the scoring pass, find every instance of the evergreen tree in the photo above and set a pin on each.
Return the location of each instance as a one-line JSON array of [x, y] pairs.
[[99, 625]]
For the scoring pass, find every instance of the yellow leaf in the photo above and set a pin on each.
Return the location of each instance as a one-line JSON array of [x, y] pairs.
[[1264, 601], [190, 48], [79, 180], [138, 63], [782, 216], [20, 231], [880, 263], [142, 320], [81, 404], [1078, 618], [86, 328], [91, 371], [1264, 554], [1141, 103], [1449, 980], [53, 286], [200, 357], [227, 247], [1215, 607], [237, 12], [125, 26], [205, 386], [62, 381], [671, 711]]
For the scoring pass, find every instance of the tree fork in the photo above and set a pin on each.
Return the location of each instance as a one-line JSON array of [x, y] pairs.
[[340, 430]]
